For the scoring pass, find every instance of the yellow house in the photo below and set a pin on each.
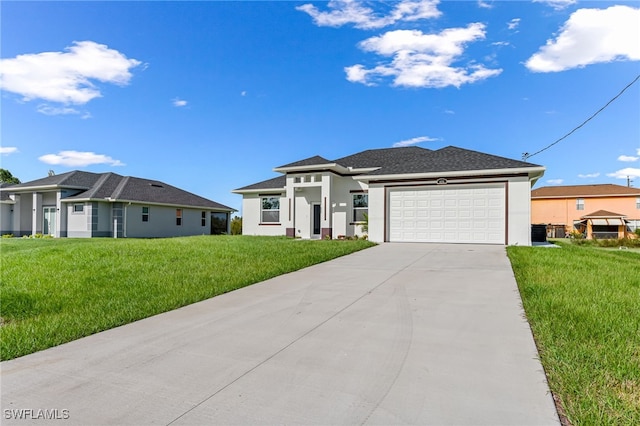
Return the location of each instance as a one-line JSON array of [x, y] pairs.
[[600, 211]]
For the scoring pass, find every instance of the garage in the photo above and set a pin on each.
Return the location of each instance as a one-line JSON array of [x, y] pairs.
[[470, 213]]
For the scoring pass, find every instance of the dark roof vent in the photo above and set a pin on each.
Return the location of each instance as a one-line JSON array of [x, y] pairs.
[[157, 185]]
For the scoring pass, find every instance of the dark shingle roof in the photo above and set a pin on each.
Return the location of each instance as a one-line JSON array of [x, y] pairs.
[[449, 159], [74, 179], [4, 196], [407, 160], [99, 186], [275, 183], [383, 157], [600, 190]]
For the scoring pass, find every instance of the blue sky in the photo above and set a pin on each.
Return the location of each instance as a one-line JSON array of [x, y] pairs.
[[211, 96]]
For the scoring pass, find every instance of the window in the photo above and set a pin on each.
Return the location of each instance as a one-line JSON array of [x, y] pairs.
[[219, 222], [179, 217], [78, 208], [579, 203], [203, 219], [360, 207], [270, 210], [638, 203], [145, 214]]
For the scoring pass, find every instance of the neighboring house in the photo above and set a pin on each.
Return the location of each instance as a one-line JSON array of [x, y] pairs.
[[601, 211], [408, 194], [83, 204]]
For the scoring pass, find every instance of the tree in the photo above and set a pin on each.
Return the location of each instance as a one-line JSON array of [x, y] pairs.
[[236, 225], [7, 177]]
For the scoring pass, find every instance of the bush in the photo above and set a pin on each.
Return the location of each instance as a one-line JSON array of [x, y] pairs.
[[7, 236], [236, 225]]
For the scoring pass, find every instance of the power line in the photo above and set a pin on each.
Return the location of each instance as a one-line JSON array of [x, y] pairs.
[[526, 155]]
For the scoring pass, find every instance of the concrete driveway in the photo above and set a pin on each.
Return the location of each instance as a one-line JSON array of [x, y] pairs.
[[396, 334]]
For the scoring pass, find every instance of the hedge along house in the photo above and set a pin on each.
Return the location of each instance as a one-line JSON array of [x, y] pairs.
[[84, 204], [409, 194]]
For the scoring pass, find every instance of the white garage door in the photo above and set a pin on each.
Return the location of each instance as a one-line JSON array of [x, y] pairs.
[[448, 214]]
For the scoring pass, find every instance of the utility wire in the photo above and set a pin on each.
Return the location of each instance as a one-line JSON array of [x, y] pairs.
[[526, 155]]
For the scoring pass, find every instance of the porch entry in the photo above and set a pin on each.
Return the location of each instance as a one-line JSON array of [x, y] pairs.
[[49, 221], [316, 220]]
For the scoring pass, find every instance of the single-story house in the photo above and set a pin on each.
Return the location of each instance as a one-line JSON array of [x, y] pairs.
[[84, 204], [407, 194], [563, 208]]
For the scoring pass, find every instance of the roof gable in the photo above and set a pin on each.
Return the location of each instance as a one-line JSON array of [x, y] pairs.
[[311, 161], [602, 214], [277, 183]]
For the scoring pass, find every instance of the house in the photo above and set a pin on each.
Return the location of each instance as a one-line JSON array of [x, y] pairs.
[[407, 194], [601, 211], [84, 204]]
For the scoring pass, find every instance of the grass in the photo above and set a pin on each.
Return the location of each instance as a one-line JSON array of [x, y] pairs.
[[53, 291], [583, 304]]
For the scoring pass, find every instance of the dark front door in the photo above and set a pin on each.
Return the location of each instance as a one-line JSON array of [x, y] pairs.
[[316, 219]]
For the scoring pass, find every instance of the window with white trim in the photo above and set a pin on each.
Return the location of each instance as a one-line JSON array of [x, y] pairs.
[[78, 208], [203, 219], [360, 207], [178, 217], [145, 214], [270, 210], [638, 203], [579, 203]]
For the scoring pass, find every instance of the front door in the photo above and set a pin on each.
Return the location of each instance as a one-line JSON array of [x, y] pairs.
[[49, 221], [316, 220]]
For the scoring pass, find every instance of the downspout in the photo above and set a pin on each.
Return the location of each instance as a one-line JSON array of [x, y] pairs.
[[124, 222]]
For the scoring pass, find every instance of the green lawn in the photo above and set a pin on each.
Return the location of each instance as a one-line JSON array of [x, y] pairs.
[[53, 291], [583, 304]]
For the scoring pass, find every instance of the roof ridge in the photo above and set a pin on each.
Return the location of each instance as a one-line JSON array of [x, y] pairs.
[[120, 187], [96, 186]]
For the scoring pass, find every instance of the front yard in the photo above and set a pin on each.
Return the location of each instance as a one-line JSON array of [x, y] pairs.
[[53, 291], [583, 304]]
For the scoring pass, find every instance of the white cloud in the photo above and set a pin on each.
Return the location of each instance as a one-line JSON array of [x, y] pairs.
[[589, 175], [449, 111], [484, 5], [557, 4], [356, 13], [243, 93], [423, 60], [6, 150], [177, 102], [66, 77], [591, 36], [500, 43], [513, 24], [555, 181], [78, 159], [628, 158], [625, 173], [414, 141], [51, 110]]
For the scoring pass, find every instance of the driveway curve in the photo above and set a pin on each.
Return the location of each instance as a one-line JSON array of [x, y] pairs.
[[396, 334]]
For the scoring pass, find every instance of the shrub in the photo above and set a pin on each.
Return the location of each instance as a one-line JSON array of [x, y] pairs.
[[236, 225], [7, 236]]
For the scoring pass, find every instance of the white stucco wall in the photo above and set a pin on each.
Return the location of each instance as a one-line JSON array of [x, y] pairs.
[[519, 209], [77, 222], [162, 222], [6, 218], [377, 194], [342, 204], [251, 205]]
